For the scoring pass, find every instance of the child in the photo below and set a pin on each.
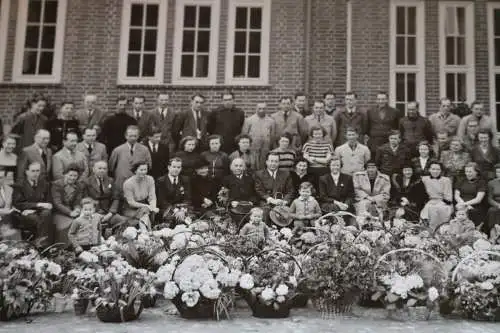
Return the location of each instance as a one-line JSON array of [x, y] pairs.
[[85, 230], [318, 152], [256, 229], [461, 227], [305, 209]]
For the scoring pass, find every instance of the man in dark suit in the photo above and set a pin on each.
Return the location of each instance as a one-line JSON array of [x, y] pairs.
[[159, 153], [100, 187], [37, 152], [392, 156], [240, 185], [115, 125], [90, 115], [273, 186], [192, 122], [173, 189], [28, 123], [381, 120], [336, 189], [32, 198], [351, 116], [145, 119], [165, 117], [94, 151]]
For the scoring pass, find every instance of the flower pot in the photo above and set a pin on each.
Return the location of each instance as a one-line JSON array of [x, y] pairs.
[[119, 314], [7, 314], [149, 301], [341, 305], [204, 309], [262, 310], [80, 305], [300, 301], [60, 303]]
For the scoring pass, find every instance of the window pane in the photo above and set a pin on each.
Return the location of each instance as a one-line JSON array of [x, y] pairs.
[[241, 18], [254, 42], [205, 17], [254, 66], [450, 86], [50, 13], [34, 11], [187, 65], [460, 50], [133, 64], [240, 39], [400, 87], [411, 92], [450, 21], [497, 51], [450, 50], [45, 66], [31, 37], [400, 21], [400, 51], [412, 19], [462, 87], [412, 50], [239, 66], [29, 62], [148, 65], [152, 15], [136, 14], [188, 41], [461, 20], [496, 23], [256, 18], [202, 66], [497, 97], [135, 40], [203, 41], [48, 37], [150, 42], [189, 16]]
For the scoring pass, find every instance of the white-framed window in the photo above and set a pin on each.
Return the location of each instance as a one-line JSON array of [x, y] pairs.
[[456, 51], [39, 41], [407, 54], [4, 19], [142, 45], [494, 59], [196, 42], [248, 33]]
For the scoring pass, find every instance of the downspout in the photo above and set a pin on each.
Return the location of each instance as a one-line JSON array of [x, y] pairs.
[[307, 58]]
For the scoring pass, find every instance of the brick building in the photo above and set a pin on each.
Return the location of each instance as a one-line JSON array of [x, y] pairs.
[[260, 49]]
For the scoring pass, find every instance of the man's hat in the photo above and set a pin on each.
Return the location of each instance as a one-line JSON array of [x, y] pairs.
[[241, 208], [280, 215]]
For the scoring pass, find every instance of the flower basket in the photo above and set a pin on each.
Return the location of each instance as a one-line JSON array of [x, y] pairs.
[[80, 305], [204, 308], [262, 310], [340, 305], [149, 301], [119, 314]]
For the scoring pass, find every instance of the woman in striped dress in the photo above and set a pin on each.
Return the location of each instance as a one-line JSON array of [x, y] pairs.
[[318, 152], [286, 154]]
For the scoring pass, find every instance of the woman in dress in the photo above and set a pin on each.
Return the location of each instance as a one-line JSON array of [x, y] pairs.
[[407, 187], [66, 195], [218, 161], [494, 201], [470, 192], [300, 174], [485, 154], [8, 159], [287, 155], [439, 189], [140, 196], [422, 162], [250, 157], [188, 155], [455, 159]]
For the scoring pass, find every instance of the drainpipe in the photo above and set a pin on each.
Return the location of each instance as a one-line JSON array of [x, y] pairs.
[[307, 60]]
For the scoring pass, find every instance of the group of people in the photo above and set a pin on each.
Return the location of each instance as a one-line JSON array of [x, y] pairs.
[[65, 175]]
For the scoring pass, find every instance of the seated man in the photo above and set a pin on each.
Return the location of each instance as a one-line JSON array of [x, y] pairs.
[[5, 200], [100, 187], [172, 189], [32, 198], [371, 189]]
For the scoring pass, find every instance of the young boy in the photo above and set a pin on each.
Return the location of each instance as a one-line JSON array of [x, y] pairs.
[[85, 231], [256, 229], [305, 209], [461, 227]]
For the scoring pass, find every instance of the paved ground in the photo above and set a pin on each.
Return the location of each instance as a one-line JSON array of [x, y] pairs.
[[302, 320]]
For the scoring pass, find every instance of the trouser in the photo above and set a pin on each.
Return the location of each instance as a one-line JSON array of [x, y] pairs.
[[39, 224]]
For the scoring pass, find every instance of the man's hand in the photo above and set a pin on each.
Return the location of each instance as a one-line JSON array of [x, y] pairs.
[[107, 217], [44, 205]]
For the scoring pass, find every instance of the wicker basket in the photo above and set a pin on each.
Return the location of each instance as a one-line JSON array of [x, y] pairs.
[[149, 301], [204, 309], [342, 305], [80, 305], [260, 310], [119, 314]]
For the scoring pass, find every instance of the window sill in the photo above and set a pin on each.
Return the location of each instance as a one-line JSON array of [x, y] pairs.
[[200, 87], [29, 84]]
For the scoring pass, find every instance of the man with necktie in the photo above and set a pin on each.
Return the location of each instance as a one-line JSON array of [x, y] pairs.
[[90, 115], [145, 119], [159, 153], [351, 116], [192, 122], [94, 151], [165, 116], [69, 156], [37, 152]]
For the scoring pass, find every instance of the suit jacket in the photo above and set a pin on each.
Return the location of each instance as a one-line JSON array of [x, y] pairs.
[[89, 121], [99, 153], [417, 167], [109, 200], [169, 194], [266, 186], [414, 192], [121, 161], [145, 122], [486, 162], [31, 154], [26, 127], [159, 160], [378, 128], [63, 159], [362, 187], [166, 124], [185, 125], [343, 192], [358, 120], [203, 187], [390, 162], [27, 197], [240, 189], [65, 198]]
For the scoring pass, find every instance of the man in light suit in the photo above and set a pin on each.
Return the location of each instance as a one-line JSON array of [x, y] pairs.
[[371, 188], [90, 116], [69, 156], [192, 122], [145, 119], [124, 156], [273, 186], [94, 151], [37, 152], [165, 117]]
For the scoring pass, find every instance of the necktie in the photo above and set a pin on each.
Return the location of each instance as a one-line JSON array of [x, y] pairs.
[[101, 186], [175, 182], [34, 184], [286, 116], [137, 115], [90, 149], [132, 150], [319, 120], [44, 158], [163, 113], [198, 118]]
